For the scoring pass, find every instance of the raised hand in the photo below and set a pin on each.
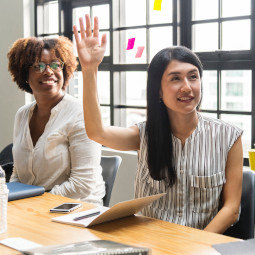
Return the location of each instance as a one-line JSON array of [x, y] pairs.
[[90, 51]]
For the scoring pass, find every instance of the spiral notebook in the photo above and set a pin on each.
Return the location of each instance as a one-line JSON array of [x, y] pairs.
[[81, 248], [102, 214]]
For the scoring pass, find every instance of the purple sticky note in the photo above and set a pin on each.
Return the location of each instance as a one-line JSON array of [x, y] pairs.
[[139, 51], [131, 43]]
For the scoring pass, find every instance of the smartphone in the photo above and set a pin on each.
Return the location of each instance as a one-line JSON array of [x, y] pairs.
[[66, 207]]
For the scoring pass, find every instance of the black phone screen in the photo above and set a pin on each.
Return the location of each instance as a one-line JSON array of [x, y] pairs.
[[65, 206]]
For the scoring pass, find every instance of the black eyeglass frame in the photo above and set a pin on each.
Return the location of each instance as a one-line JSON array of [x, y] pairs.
[[61, 66]]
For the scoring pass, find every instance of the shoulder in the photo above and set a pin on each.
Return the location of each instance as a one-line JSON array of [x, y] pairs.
[[24, 110], [72, 101], [71, 107], [218, 124], [220, 130], [142, 127]]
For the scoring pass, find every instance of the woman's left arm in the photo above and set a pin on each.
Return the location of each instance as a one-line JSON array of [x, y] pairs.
[[85, 156], [231, 192]]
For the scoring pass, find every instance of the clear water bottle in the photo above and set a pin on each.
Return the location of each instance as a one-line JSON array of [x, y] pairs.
[[3, 202]]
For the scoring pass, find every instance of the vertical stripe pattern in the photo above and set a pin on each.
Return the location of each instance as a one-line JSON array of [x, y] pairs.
[[200, 165]]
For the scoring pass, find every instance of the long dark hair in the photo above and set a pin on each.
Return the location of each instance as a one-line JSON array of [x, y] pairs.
[[158, 130]]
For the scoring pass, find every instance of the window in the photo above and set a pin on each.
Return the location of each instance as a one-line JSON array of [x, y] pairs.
[[219, 31]]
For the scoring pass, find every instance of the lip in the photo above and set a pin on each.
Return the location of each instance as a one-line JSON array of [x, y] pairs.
[[185, 99], [48, 82]]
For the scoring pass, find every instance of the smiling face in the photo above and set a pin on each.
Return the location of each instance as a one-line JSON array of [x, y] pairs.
[[180, 88], [48, 82]]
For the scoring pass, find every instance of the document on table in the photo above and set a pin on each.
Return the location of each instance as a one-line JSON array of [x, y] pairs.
[[104, 214]]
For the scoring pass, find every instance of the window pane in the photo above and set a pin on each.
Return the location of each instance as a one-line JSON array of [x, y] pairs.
[[160, 37], [135, 88], [103, 84], [123, 56], [205, 9], [163, 16], [48, 37], [39, 18], [47, 18], [236, 8], [129, 117], [75, 87], [210, 115], [102, 12], [205, 37], [243, 122], [78, 13], [236, 35], [236, 90], [209, 88], [132, 13], [105, 114]]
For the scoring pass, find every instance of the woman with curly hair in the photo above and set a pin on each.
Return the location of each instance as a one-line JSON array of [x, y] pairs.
[[50, 146]]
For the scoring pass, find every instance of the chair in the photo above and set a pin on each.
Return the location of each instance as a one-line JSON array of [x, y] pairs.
[[110, 166], [6, 161], [6, 155], [244, 228]]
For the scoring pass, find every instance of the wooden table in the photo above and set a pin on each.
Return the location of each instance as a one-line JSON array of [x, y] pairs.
[[30, 219]]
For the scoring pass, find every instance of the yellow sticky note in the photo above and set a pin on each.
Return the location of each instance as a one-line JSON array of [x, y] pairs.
[[157, 5]]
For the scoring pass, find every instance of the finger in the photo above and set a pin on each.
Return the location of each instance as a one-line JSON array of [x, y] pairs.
[[103, 41], [76, 35], [82, 29], [96, 31], [88, 25]]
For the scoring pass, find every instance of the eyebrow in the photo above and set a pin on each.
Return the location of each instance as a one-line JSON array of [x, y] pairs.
[[191, 71]]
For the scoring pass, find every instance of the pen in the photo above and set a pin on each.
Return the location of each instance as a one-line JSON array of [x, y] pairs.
[[86, 216]]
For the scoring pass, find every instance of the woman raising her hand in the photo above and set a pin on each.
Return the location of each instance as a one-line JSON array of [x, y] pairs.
[[196, 160]]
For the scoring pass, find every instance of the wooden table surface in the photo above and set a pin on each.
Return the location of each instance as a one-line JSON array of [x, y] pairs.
[[30, 219]]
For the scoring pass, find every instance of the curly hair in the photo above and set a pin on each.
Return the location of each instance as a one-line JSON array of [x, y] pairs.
[[27, 51]]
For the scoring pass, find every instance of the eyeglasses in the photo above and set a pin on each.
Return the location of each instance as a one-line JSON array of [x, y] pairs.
[[55, 66]]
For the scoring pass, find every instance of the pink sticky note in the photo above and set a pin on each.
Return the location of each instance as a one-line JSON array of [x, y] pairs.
[[139, 51], [131, 43], [157, 5]]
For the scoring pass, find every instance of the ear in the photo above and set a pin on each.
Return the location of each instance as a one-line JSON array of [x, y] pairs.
[[160, 93]]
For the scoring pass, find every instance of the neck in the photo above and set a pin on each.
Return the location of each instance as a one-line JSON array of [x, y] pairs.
[[182, 125], [44, 104]]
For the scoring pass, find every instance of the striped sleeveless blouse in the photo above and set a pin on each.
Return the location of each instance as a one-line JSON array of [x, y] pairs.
[[194, 199]]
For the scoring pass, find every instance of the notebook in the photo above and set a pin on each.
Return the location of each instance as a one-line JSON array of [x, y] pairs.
[[18, 190], [104, 214], [246, 247], [81, 248]]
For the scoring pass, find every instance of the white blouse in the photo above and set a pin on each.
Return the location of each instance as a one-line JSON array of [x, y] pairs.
[[194, 199], [64, 160]]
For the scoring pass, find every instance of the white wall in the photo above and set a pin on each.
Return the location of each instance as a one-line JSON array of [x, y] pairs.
[[16, 21], [123, 188]]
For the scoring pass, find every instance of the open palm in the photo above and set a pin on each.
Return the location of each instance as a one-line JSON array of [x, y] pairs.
[[90, 51]]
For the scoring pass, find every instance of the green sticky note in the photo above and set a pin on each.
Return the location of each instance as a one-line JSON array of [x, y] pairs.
[[157, 5]]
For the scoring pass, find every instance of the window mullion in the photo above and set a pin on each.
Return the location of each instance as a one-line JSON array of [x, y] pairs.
[[185, 22]]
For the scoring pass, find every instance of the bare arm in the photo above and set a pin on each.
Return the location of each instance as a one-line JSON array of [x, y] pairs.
[[91, 54], [231, 193]]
